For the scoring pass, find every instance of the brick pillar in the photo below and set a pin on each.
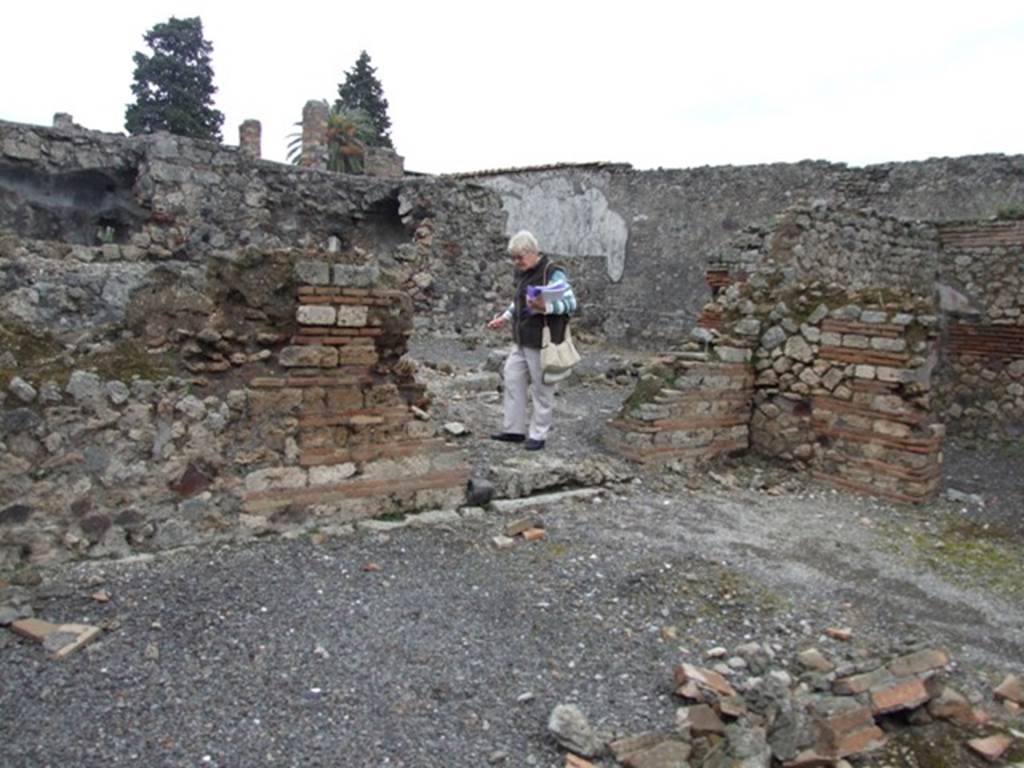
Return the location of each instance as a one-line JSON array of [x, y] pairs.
[[63, 120], [249, 137], [314, 135]]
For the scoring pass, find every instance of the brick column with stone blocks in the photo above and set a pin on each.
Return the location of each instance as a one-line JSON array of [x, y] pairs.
[[837, 379], [314, 135], [362, 451], [249, 139]]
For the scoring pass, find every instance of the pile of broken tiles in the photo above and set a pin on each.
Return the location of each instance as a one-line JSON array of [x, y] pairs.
[[834, 711]]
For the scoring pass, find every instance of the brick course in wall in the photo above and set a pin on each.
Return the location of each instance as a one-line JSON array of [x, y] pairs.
[[701, 411], [980, 382], [355, 430]]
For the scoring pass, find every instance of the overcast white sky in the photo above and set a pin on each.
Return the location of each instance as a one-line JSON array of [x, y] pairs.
[[484, 85]]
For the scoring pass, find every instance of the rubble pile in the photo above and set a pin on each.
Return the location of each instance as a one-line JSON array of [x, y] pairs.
[[749, 711]]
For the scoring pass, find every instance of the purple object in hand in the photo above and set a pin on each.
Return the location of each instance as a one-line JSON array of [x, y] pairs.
[[532, 292]]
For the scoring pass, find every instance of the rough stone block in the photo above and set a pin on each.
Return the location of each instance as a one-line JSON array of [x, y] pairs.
[[872, 316], [356, 275], [860, 683], [275, 478], [797, 348], [773, 337], [890, 428], [733, 354], [886, 344], [352, 316], [344, 398], [264, 402], [864, 372], [316, 315], [921, 661], [308, 356], [812, 658], [331, 474], [313, 272], [898, 375]]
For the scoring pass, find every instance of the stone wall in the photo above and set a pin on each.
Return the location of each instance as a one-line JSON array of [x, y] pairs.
[[298, 416], [981, 378], [651, 289], [164, 204], [842, 365], [160, 382]]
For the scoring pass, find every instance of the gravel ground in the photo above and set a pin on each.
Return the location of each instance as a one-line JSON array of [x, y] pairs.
[[429, 647]]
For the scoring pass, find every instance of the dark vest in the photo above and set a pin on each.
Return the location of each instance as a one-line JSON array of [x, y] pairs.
[[527, 327]]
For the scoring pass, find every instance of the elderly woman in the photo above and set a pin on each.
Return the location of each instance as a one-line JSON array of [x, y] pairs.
[[527, 315]]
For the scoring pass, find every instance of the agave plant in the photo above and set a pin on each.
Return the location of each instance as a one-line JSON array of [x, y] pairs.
[[349, 132]]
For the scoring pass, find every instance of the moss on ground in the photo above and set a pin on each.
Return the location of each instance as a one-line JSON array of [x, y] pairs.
[[977, 555]]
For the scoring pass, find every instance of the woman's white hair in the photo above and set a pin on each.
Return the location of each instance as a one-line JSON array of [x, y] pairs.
[[522, 242]]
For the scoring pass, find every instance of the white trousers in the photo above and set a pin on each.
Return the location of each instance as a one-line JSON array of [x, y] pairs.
[[522, 368]]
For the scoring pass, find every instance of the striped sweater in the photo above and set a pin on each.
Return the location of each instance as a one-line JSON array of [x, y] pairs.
[[563, 306]]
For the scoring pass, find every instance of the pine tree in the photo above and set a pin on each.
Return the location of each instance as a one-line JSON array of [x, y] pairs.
[[362, 92], [174, 87]]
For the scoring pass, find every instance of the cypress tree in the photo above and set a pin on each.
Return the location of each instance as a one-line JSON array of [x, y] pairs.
[[362, 92], [174, 86]]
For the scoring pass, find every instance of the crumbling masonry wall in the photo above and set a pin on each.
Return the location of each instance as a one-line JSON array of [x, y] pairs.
[[166, 372], [639, 240], [980, 381], [833, 315]]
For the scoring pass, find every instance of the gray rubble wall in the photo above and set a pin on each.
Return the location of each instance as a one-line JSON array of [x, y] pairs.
[[648, 286]]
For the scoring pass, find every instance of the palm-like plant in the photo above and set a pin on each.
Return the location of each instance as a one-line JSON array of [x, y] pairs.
[[349, 132]]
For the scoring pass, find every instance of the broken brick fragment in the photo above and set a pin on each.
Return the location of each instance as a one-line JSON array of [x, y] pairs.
[[1010, 690], [991, 747], [905, 694], [705, 678], [839, 633], [35, 630]]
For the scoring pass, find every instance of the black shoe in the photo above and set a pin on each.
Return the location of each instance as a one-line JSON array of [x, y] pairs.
[[533, 445], [508, 437]]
